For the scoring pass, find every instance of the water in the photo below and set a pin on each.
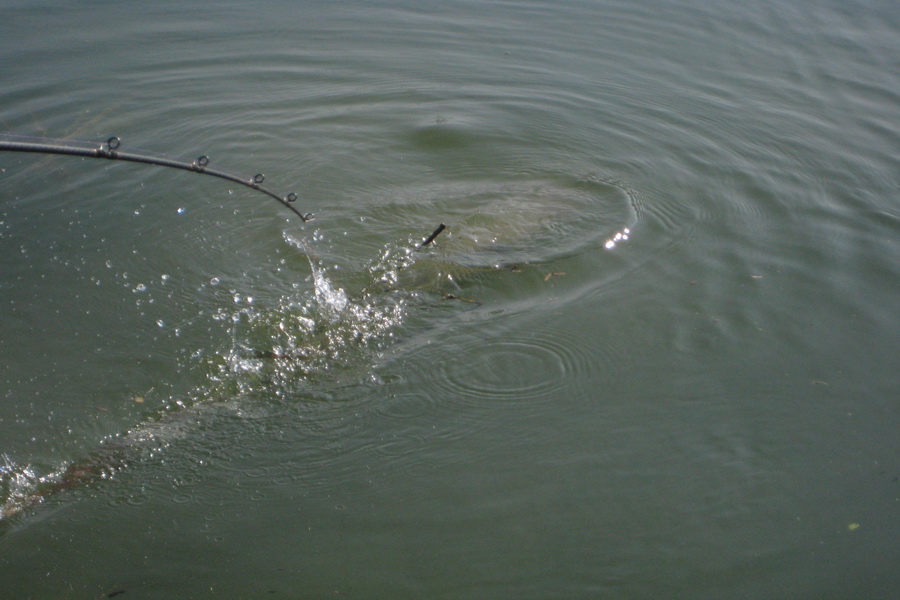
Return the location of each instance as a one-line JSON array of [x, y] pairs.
[[653, 355]]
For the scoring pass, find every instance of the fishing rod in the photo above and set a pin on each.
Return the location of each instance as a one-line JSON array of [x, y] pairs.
[[110, 150]]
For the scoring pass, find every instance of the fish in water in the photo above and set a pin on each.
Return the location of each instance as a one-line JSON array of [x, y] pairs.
[[103, 463], [442, 266]]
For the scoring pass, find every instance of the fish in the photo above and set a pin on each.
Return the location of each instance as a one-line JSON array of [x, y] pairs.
[[447, 264]]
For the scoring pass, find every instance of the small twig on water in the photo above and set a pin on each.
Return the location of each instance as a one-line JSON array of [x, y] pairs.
[[431, 237]]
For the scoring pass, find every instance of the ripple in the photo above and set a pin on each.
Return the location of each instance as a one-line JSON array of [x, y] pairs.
[[257, 472], [513, 369], [419, 469], [405, 450], [486, 371], [401, 407], [406, 445]]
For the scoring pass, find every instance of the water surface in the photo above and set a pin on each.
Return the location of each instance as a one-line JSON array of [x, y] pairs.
[[654, 354]]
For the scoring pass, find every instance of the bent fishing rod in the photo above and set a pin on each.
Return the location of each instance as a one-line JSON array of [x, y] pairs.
[[110, 150]]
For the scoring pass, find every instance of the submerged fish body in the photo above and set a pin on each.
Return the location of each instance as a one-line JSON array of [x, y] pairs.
[[26, 488]]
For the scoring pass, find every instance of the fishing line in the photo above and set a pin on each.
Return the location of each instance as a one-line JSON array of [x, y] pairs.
[[110, 150]]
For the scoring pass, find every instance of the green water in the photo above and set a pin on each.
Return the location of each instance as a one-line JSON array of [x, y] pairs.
[[654, 354]]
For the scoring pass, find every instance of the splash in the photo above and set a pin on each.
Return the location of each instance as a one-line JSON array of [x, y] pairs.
[[316, 334], [17, 485], [282, 349]]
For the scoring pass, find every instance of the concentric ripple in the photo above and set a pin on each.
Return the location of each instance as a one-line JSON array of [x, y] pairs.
[[513, 369]]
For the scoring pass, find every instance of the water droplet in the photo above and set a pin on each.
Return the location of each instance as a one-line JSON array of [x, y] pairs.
[[181, 210], [139, 288], [214, 281], [160, 323]]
